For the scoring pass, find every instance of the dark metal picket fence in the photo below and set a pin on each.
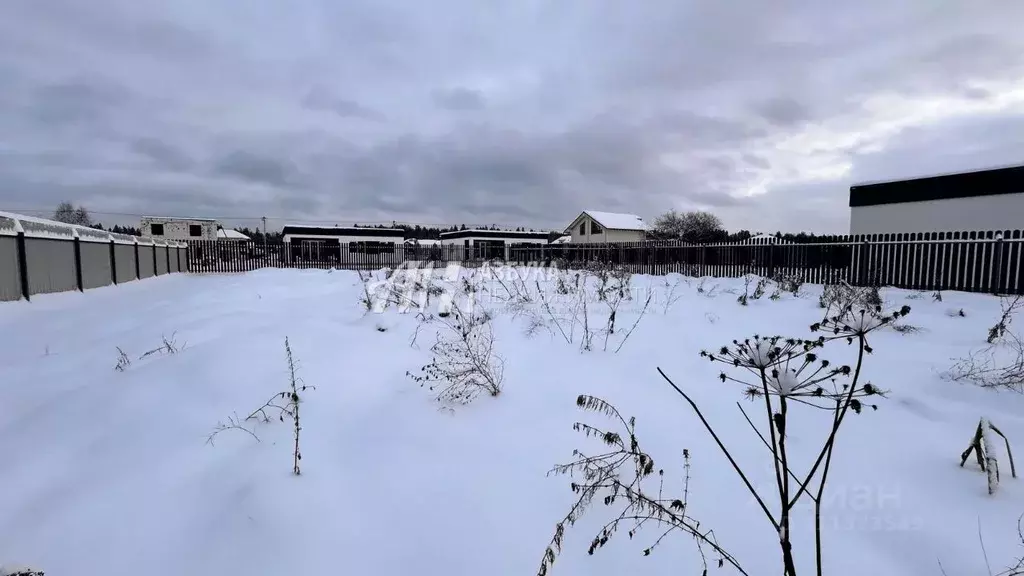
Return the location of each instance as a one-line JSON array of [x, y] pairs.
[[968, 261], [232, 256]]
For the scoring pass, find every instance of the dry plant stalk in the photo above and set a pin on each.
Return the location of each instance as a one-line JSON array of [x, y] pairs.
[[785, 373], [123, 361], [1010, 308], [464, 362], [293, 403], [986, 453], [999, 365], [169, 346], [782, 374], [670, 295], [1018, 568], [275, 409], [618, 475], [233, 423], [606, 283]]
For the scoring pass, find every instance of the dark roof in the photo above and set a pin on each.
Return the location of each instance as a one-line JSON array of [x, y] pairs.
[[491, 234], [337, 231], [1007, 180]]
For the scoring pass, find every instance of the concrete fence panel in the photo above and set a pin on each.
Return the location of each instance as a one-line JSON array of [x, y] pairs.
[[161, 260], [39, 256], [146, 263], [124, 262], [96, 270], [10, 271], [50, 264]]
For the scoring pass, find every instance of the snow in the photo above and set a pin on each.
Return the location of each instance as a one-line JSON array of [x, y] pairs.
[[108, 472], [786, 382], [616, 221], [760, 352]]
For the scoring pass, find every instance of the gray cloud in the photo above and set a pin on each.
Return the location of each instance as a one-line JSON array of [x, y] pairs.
[[162, 154], [783, 111], [326, 110], [76, 101], [256, 169], [320, 98], [459, 99]]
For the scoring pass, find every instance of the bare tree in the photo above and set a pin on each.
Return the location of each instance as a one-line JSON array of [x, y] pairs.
[[694, 226], [68, 213]]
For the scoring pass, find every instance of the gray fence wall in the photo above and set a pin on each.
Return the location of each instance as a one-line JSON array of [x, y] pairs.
[[146, 262], [10, 271], [161, 260], [124, 262], [176, 257], [40, 256], [96, 270], [51, 265]]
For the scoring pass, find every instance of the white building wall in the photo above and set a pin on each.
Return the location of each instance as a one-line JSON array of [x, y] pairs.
[[178, 229], [623, 236], [506, 240], [997, 212]]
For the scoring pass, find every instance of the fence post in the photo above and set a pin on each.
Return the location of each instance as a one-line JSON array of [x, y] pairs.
[[167, 256], [138, 274], [78, 261], [22, 261], [113, 263], [863, 270], [156, 270], [997, 264]]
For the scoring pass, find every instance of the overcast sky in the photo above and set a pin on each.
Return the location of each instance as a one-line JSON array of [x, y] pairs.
[[512, 112]]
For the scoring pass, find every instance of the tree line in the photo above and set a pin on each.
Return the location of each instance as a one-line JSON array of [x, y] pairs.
[[700, 227], [68, 213]]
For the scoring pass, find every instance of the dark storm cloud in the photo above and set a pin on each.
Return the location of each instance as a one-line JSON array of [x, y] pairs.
[[319, 110], [459, 99], [165, 155], [320, 98], [783, 111], [76, 100], [255, 168]]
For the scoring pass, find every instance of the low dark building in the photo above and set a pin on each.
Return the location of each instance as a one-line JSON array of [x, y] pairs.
[[991, 199], [487, 244], [324, 243]]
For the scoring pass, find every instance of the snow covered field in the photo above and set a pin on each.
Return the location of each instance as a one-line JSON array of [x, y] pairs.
[[108, 472]]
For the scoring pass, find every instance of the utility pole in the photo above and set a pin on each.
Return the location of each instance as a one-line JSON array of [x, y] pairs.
[[265, 254]]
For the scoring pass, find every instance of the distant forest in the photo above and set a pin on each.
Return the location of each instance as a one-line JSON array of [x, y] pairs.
[[118, 229]]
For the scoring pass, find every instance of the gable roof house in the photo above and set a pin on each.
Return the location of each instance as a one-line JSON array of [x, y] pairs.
[[594, 226]]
